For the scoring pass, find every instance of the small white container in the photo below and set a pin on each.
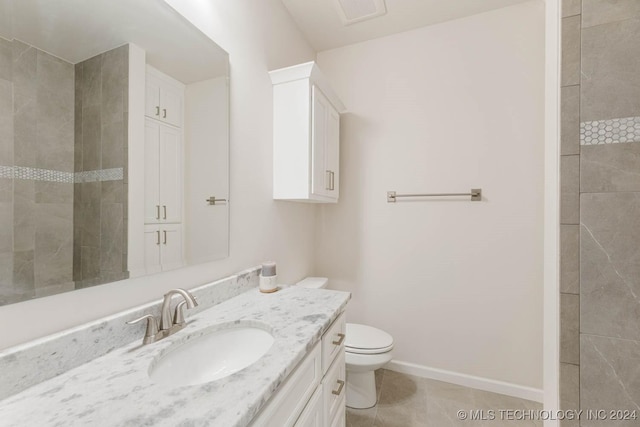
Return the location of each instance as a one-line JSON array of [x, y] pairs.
[[268, 278], [268, 284]]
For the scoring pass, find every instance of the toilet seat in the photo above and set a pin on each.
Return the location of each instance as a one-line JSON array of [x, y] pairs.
[[363, 339]]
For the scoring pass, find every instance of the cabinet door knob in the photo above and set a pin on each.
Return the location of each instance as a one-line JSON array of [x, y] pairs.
[[339, 342], [164, 113], [158, 237], [157, 211], [157, 110], [340, 387], [165, 236], [164, 207]]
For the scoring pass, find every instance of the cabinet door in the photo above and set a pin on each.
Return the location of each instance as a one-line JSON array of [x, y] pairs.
[[152, 241], [319, 173], [333, 151], [171, 246], [312, 416], [152, 208], [152, 97], [170, 174], [171, 105]]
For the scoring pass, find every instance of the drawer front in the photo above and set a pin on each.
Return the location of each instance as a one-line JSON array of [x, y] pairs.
[[333, 342], [287, 404], [334, 387], [340, 418], [312, 416]]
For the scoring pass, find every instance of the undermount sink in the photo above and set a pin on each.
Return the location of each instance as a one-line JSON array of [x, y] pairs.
[[211, 356]]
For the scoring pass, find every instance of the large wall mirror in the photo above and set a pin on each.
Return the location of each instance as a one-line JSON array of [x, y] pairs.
[[114, 144]]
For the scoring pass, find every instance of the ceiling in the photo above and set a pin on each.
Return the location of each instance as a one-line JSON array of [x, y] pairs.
[[75, 30], [322, 26]]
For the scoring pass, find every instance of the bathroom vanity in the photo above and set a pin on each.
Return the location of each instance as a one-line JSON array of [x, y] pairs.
[[298, 381]]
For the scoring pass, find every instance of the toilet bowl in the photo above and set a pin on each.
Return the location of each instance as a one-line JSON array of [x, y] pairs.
[[366, 349]]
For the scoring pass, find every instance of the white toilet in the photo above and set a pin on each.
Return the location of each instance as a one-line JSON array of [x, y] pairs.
[[366, 349]]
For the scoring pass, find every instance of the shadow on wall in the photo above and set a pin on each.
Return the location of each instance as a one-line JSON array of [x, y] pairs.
[[342, 221]]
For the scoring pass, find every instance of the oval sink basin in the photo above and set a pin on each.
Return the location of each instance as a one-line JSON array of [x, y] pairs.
[[211, 356]]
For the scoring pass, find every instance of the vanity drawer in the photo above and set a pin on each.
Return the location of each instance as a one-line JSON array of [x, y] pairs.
[[312, 416], [340, 418], [333, 342], [289, 401], [334, 387]]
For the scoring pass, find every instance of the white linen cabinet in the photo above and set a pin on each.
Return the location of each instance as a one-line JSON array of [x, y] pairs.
[[164, 97], [163, 172], [306, 135]]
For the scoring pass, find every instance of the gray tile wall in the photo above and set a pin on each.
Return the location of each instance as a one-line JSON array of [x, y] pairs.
[[101, 107], [60, 122], [570, 161], [600, 300], [36, 131]]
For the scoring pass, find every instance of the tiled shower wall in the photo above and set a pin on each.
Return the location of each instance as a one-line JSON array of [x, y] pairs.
[[600, 208], [61, 124], [36, 172], [100, 191]]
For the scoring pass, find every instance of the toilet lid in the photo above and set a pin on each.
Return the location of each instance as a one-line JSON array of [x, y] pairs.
[[365, 339]]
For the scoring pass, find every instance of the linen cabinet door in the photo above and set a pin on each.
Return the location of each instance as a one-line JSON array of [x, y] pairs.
[[170, 175], [152, 208]]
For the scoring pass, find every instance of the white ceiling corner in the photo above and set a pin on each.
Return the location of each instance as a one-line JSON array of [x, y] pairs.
[[324, 28]]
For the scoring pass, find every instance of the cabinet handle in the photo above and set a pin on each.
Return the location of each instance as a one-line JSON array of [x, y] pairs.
[[340, 387], [164, 207], [164, 113], [333, 175], [158, 236], [157, 211], [157, 110], [327, 185], [165, 236], [339, 342]]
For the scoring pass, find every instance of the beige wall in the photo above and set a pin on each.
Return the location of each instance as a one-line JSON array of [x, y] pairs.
[[440, 109], [259, 36]]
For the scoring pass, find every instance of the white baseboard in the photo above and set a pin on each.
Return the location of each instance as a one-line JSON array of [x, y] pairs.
[[486, 384]]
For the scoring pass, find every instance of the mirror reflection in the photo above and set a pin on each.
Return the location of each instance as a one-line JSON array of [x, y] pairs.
[[113, 144]]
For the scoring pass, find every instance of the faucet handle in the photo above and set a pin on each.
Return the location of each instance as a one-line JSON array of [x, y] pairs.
[[152, 328], [178, 315]]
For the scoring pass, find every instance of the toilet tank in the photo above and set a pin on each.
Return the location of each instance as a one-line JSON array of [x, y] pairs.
[[313, 282]]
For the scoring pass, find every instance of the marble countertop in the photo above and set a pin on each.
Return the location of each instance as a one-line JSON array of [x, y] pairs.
[[115, 390]]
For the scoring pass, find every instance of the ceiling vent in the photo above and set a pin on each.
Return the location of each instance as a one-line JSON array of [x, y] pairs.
[[352, 11]]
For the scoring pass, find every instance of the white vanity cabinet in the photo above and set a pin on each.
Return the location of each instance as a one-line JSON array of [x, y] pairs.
[[162, 247], [306, 135], [314, 394], [164, 98]]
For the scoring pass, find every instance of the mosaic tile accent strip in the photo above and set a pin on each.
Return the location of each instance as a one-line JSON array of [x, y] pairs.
[[35, 174], [6, 171], [114, 174], [611, 131]]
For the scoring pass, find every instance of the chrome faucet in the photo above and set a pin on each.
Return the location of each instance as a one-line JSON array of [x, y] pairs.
[[168, 325]]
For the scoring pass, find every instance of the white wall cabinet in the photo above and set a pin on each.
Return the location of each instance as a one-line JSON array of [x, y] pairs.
[[306, 135], [314, 393], [163, 173], [164, 98], [162, 247]]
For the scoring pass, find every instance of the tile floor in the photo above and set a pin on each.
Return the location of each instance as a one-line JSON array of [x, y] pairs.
[[408, 401]]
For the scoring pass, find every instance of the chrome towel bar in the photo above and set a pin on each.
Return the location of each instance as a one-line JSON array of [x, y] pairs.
[[476, 195]]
